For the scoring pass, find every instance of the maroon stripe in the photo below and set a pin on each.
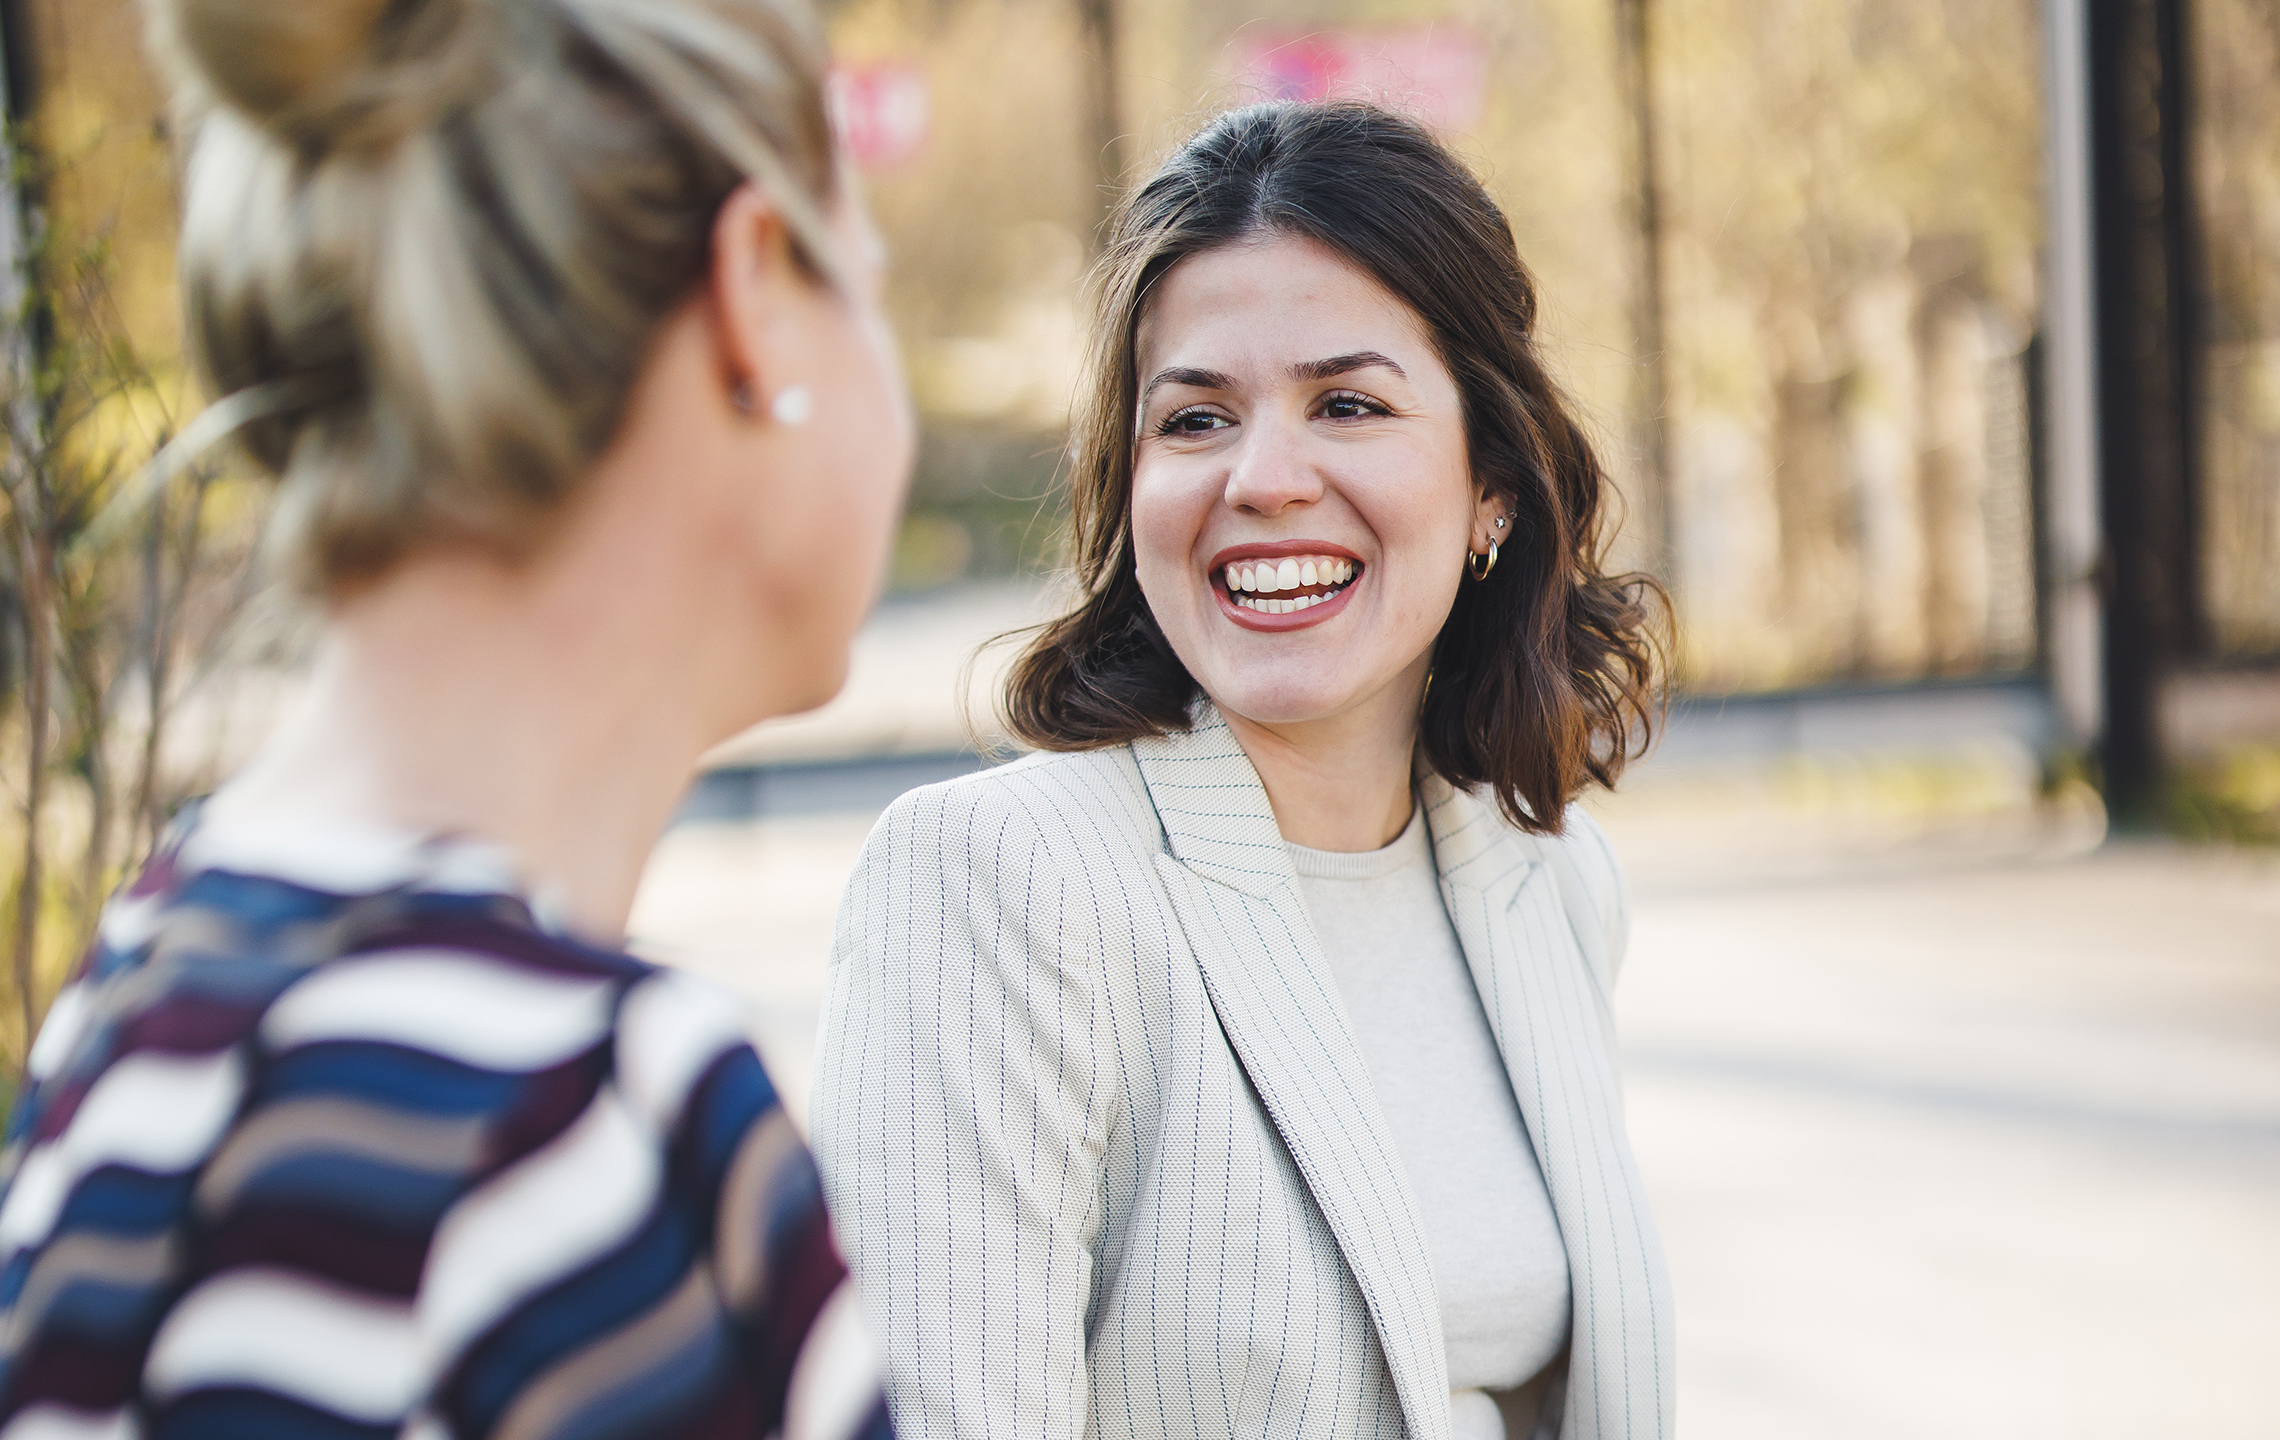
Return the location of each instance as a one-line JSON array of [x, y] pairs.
[[361, 1255], [189, 1024], [80, 1373], [803, 1272], [545, 1105]]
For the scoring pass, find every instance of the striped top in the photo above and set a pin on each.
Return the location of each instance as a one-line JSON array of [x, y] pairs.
[[329, 1136]]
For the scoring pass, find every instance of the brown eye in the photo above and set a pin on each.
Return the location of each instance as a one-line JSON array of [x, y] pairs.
[[1191, 422], [1349, 406]]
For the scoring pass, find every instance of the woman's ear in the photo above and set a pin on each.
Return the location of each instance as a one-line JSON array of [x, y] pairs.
[[752, 268], [1491, 521]]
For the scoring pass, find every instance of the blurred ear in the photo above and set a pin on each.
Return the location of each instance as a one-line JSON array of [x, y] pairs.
[[755, 280]]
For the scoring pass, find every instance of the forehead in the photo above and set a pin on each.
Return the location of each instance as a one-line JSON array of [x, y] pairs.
[[1268, 303]]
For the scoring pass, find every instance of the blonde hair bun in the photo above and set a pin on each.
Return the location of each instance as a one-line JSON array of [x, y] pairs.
[[325, 72], [446, 231]]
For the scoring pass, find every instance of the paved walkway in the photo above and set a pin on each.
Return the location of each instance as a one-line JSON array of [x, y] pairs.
[[1963, 1131], [1985, 1152]]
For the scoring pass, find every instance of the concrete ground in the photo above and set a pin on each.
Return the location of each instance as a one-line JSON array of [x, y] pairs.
[[1967, 1128]]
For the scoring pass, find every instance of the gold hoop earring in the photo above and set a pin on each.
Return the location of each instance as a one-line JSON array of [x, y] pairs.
[[1473, 559]]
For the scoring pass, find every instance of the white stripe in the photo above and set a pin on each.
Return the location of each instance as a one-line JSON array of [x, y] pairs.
[[59, 1033], [341, 859], [128, 923], [269, 1330], [835, 1381], [55, 1422], [157, 1113], [670, 1030], [460, 1006], [554, 1212]]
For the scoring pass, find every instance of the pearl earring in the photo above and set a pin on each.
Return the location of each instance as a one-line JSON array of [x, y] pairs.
[[793, 405]]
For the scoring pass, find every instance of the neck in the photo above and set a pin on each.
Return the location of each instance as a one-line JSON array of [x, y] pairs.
[[1341, 782], [556, 708]]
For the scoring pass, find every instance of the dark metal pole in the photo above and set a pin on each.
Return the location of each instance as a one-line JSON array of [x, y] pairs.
[[2188, 339], [2135, 82], [1650, 398]]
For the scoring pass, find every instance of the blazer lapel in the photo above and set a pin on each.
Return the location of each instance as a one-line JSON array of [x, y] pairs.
[[1237, 898], [1552, 1024]]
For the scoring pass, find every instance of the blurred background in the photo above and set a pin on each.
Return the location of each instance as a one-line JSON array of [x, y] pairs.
[[1935, 348]]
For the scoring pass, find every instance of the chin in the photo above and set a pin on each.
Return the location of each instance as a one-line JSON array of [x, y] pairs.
[[1282, 704], [819, 686], [794, 685]]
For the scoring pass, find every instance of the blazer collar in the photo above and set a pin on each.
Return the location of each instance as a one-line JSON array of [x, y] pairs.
[[1473, 848], [1236, 894], [1218, 823], [1550, 1015], [1215, 814]]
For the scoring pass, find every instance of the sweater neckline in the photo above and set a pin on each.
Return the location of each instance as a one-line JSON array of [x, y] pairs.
[[1409, 849]]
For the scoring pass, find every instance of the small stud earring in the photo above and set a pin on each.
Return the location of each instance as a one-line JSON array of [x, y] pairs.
[[793, 405], [1500, 522]]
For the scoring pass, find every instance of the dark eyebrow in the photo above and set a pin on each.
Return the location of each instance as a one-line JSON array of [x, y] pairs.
[[1180, 375], [1338, 365]]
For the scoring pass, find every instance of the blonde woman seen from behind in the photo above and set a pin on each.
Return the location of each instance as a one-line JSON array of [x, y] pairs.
[[557, 323], [1242, 1064]]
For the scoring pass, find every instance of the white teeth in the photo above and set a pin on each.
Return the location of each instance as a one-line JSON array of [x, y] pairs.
[[1265, 577]]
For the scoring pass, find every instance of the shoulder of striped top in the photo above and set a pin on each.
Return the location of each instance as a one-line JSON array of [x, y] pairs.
[[292, 1158]]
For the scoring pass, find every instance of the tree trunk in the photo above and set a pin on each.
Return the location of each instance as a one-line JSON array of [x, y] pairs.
[[1104, 107], [38, 680], [1650, 372]]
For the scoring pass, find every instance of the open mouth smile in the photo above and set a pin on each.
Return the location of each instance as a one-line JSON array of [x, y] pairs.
[[1287, 584], [1278, 586]]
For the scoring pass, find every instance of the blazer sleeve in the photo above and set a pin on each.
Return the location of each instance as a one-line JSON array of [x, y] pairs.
[[965, 1080]]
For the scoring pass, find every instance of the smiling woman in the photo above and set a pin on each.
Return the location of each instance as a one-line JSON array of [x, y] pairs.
[[1240, 1065], [1335, 262]]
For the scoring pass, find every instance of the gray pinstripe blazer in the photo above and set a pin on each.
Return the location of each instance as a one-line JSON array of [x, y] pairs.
[[1102, 1151]]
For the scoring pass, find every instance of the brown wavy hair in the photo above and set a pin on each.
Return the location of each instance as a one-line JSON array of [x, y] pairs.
[[1543, 678]]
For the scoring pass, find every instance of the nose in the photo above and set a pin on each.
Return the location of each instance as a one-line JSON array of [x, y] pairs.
[[1270, 470]]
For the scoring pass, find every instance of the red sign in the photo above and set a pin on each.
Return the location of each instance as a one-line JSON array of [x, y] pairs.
[[881, 111], [1438, 73]]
